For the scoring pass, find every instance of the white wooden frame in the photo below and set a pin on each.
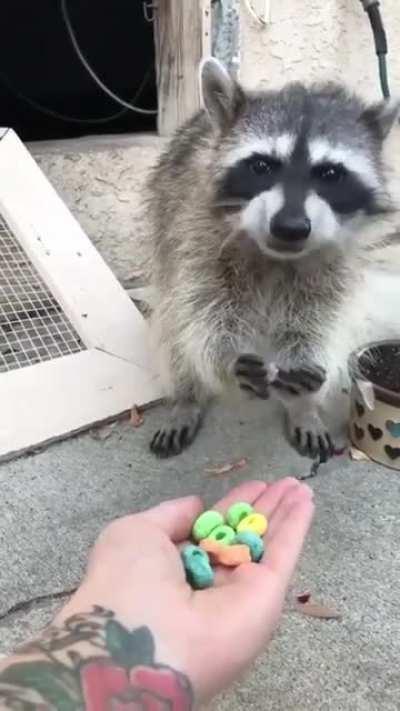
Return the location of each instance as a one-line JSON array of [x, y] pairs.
[[49, 400]]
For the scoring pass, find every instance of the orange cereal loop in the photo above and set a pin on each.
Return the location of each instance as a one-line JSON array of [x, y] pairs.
[[213, 548], [234, 555]]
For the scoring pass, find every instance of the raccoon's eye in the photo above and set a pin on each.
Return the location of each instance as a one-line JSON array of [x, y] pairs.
[[263, 165], [329, 172]]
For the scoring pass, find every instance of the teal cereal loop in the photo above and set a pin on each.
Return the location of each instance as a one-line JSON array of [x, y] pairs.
[[196, 563], [206, 523], [238, 511], [223, 534], [254, 542]]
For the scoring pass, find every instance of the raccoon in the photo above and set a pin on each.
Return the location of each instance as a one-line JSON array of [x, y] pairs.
[[262, 269]]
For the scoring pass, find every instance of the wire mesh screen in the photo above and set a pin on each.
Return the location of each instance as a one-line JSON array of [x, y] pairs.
[[33, 326]]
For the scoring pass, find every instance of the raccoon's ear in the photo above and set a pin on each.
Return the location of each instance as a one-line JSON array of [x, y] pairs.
[[221, 95], [381, 117]]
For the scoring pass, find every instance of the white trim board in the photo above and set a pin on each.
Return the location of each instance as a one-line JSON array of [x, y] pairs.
[[52, 399]]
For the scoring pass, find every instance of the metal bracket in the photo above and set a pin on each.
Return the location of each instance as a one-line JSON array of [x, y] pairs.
[[149, 10]]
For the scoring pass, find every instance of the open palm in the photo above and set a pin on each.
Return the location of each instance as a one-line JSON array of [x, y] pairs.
[[212, 635]]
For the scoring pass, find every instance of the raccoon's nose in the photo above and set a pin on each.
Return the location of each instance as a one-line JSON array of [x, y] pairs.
[[290, 228]]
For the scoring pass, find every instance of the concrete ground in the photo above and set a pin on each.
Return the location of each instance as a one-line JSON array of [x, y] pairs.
[[54, 503]]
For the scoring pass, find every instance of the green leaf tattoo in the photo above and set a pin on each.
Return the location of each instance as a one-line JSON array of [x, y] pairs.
[[129, 649], [56, 685]]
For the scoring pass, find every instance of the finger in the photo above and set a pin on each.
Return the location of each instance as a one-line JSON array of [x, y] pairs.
[[290, 497], [176, 517], [269, 501], [249, 491], [276, 499], [272, 575], [286, 544]]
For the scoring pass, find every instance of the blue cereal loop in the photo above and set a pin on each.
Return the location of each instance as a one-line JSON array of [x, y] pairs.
[[254, 542], [196, 562]]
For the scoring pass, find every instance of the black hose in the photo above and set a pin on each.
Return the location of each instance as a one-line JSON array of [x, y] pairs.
[[371, 7], [63, 117], [383, 76]]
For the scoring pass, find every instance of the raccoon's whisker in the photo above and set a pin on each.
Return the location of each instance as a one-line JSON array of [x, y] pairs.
[[386, 241], [230, 204], [229, 240]]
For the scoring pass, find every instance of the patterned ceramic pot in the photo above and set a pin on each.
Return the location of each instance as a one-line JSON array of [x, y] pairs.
[[375, 402]]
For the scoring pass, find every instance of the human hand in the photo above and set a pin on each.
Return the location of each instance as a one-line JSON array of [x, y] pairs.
[[210, 635]]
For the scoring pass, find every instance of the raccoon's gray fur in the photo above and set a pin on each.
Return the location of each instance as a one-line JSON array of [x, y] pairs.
[[259, 265]]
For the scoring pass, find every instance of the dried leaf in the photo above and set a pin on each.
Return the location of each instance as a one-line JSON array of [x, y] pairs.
[[315, 609], [303, 597], [137, 418], [358, 456], [227, 467], [102, 433], [152, 404], [135, 274]]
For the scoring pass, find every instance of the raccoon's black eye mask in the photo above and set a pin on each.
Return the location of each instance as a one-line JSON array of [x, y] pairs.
[[262, 165], [248, 178], [341, 188], [329, 172]]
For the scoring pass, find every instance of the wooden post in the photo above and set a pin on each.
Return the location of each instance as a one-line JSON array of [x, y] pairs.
[[182, 34]]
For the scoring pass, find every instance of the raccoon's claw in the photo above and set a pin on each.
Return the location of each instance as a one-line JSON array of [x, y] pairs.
[[298, 381], [251, 374], [310, 438], [178, 433]]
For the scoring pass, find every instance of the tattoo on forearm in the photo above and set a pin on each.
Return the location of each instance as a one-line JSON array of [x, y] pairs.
[[94, 663]]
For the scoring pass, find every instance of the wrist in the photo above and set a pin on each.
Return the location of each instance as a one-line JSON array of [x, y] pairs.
[[91, 660]]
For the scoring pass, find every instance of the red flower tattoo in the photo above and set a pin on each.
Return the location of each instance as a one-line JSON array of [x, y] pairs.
[[108, 687]]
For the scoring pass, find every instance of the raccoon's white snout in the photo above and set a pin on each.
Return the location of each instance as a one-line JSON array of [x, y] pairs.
[[256, 217], [275, 233], [325, 225], [284, 234]]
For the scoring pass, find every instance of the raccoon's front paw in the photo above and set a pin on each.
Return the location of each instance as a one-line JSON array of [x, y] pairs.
[[178, 432], [297, 381], [251, 374], [309, 436]]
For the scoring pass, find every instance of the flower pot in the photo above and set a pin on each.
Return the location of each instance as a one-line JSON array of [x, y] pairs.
[[375, 402]]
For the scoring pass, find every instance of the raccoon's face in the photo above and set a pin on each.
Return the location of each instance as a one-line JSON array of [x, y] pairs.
[[298, 169]]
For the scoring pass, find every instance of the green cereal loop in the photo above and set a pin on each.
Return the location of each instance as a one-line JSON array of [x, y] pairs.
[[223, 534], [206, 523], [199, 572], [254, 542], [238, 511]]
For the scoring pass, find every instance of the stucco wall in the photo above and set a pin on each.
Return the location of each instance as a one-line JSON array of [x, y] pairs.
[[318, 39], [101, 180]]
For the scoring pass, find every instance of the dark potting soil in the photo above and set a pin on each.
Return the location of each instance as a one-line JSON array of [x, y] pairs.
[[381, 366]]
